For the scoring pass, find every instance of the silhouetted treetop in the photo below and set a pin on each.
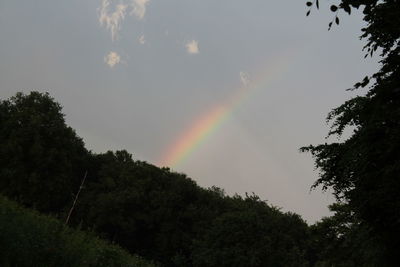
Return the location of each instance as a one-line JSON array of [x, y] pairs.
[[364, 169], [41, 158]]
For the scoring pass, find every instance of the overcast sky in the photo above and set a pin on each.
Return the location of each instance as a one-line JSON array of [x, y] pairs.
[[140, 74]]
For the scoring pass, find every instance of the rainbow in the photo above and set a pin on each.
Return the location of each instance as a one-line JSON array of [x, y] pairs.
[[212, 120]]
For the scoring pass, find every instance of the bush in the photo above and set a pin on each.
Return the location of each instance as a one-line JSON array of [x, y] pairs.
[[30, 239]]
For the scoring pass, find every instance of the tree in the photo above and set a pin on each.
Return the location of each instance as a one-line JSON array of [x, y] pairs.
[[42, 160], [342, 240], [145, 209], [167, 217], [251, 233], [159, 214], [364, 169]]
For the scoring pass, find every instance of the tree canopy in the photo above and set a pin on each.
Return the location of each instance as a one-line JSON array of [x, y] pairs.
[[41, 158], [364, 169], [158, 214]]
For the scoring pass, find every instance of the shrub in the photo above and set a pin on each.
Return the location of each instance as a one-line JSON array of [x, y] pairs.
[[30, 239]]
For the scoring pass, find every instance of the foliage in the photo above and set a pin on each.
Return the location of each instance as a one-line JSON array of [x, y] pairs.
[[30, 239], [144, 208], [342, 240], [153, 212], [252, 234], [166, 217], [41, 159], [364, 170]]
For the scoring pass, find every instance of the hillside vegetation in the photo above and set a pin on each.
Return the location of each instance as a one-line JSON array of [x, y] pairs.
[[158, 214], [30, 239], [162, 216]]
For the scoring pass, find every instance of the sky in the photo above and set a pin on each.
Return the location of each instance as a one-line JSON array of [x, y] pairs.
[[225, 91]]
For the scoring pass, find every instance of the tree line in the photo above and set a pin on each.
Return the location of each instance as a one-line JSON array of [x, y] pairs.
[[153, 212], [167, 218]]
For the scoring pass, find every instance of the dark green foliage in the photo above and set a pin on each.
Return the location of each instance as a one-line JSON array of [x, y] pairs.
[[252, 234], [30, 239], [364, 169], [165, 216], [150, 211], [342, 240], [41, 159], [138, 205]]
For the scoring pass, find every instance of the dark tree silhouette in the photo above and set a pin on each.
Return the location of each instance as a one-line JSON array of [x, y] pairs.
[[161, 215], [41, 158], [364, 170]]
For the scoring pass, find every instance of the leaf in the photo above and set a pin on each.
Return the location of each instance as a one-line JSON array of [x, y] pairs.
[[329, 26], [317, 2], [308, 13], [309, 4], [334, 8], [347, 9], [337, 20], [365, 81]]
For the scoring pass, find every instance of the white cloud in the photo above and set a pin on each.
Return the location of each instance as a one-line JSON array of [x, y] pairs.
[[112, 19], [142, 40], [112, 59], [244, 78], [139, 8], [192, 47]]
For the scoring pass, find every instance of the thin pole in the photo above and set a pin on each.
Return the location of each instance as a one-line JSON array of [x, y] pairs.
[[76, 198]]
